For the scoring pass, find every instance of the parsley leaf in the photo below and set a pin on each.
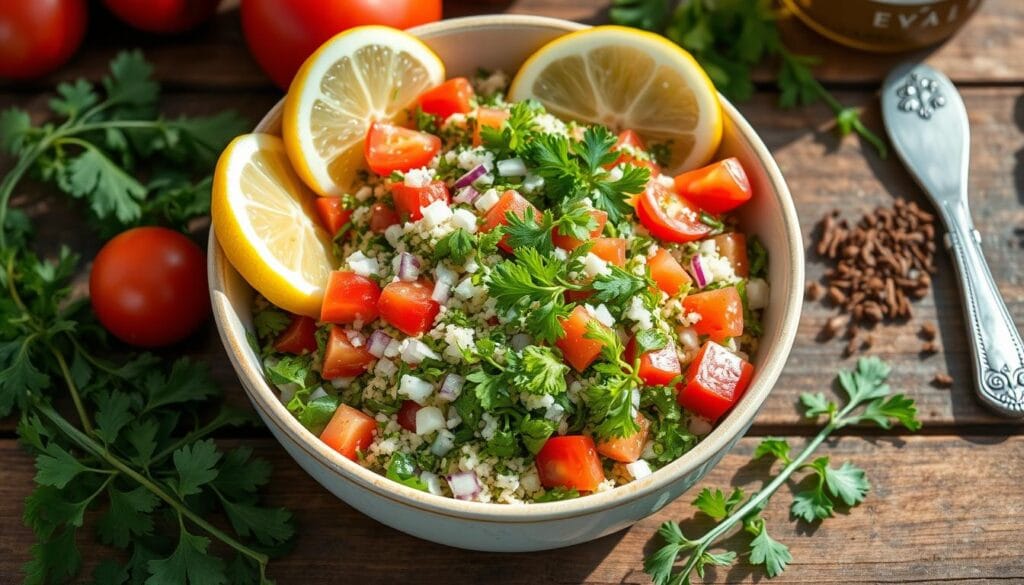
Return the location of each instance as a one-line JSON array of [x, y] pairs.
[[196, 465], [773, 447], [189, 563], [715, 504], [457, 245], [765, 550], [541, 371], [558, 494], [535, 432]]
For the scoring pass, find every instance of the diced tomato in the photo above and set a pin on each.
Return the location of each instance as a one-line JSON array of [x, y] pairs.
[[348, 298], [733, 247], [350, 430], [626, 449], [666, 271], [410, 201], [721, 313], [382, 216], [299, 337], [342, 359], [393, 148], [454, 96], [716, 188], [408, 306], [570, 462], [510, 202], [578, 296], [715, 380], [489, 117], [333, 214], [669, 216], [632, 140], [570, 243], [407, 415], [657, 367], [578, 349], [611, 250]]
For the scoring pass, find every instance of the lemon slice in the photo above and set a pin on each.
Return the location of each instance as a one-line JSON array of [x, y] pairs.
[[263, 217], [625, 78], [364, 74]]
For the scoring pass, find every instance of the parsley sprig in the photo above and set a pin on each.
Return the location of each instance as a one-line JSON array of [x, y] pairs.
[[729, 39], [867, 401], [139, 458]]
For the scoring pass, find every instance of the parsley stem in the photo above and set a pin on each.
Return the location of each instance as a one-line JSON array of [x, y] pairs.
[[69, 381], [86, 442], [10, 181], [219, 421]]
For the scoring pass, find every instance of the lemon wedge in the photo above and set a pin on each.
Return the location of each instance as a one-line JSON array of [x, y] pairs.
[[626, 78], [263, 217], [364, 74]]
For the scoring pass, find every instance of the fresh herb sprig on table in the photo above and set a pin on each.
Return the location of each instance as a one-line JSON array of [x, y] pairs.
[[139, 452], [867, 401], [730, 38]]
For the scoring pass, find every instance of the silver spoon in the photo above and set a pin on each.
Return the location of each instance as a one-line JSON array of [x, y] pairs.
[[927, 123]]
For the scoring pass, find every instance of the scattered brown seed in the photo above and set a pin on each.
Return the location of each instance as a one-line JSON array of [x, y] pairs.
[[930, 347], [928, 330], [942, 380], [814, 291], [833, 326], [878, 264]]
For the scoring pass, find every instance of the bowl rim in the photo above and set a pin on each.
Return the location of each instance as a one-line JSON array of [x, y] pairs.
[[731, 427]]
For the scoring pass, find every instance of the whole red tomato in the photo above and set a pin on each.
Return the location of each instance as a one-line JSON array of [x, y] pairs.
[[163, 16], [37, 36], [148, 286], [282, 33]]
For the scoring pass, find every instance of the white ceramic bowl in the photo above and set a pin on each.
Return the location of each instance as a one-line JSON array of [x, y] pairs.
[[504, 42]]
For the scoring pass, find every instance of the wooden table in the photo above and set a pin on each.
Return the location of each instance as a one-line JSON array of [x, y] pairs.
[[946, 503]]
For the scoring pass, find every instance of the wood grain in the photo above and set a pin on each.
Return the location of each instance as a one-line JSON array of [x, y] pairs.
[[215, 56], [941, 508]]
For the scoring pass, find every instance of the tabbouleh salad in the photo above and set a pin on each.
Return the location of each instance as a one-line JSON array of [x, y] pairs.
[[524, 309]]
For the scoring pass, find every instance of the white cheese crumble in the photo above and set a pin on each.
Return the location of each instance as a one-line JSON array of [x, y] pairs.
[[361, 265], [436, 213], [420, 177], [486, 201]]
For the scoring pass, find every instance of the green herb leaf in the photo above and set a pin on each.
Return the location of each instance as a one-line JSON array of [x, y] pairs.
[[773, 447], [196, 465], [541, 371], [190, 563], [715, 504], [765, 550], [457, 245], [849, 483]]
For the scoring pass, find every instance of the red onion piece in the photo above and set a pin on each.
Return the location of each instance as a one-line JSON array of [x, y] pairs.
[[442, 291], [697, 267], [379, 341], [464, 485], [408, 267], [467, 179], [451, 387], [466, 195]]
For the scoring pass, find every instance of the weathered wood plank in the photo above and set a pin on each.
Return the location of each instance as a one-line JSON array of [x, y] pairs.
[[215, 56], [941, 508], [823, 174]]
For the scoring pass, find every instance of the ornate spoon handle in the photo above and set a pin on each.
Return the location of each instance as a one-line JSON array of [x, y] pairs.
[[996, 347]]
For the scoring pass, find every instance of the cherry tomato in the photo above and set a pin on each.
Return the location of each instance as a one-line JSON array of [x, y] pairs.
[[299, 337], [349, 431], [666, 271], [510, 201], [393, 148], [716, 188], [407, 415], [570, 243], [163, 16], [626, 449], [716, 379], [733, 247], [611, 250], [570, 462], [454, 96], [38, 36], [490, 118], [579, 350], [282, 33], [410, 201], [342, 359], [382, 216], [657, 367], [333, 214], [632, 141], [148, 286], [720, 310], [348, 298], [669, 216], [408, 306]]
